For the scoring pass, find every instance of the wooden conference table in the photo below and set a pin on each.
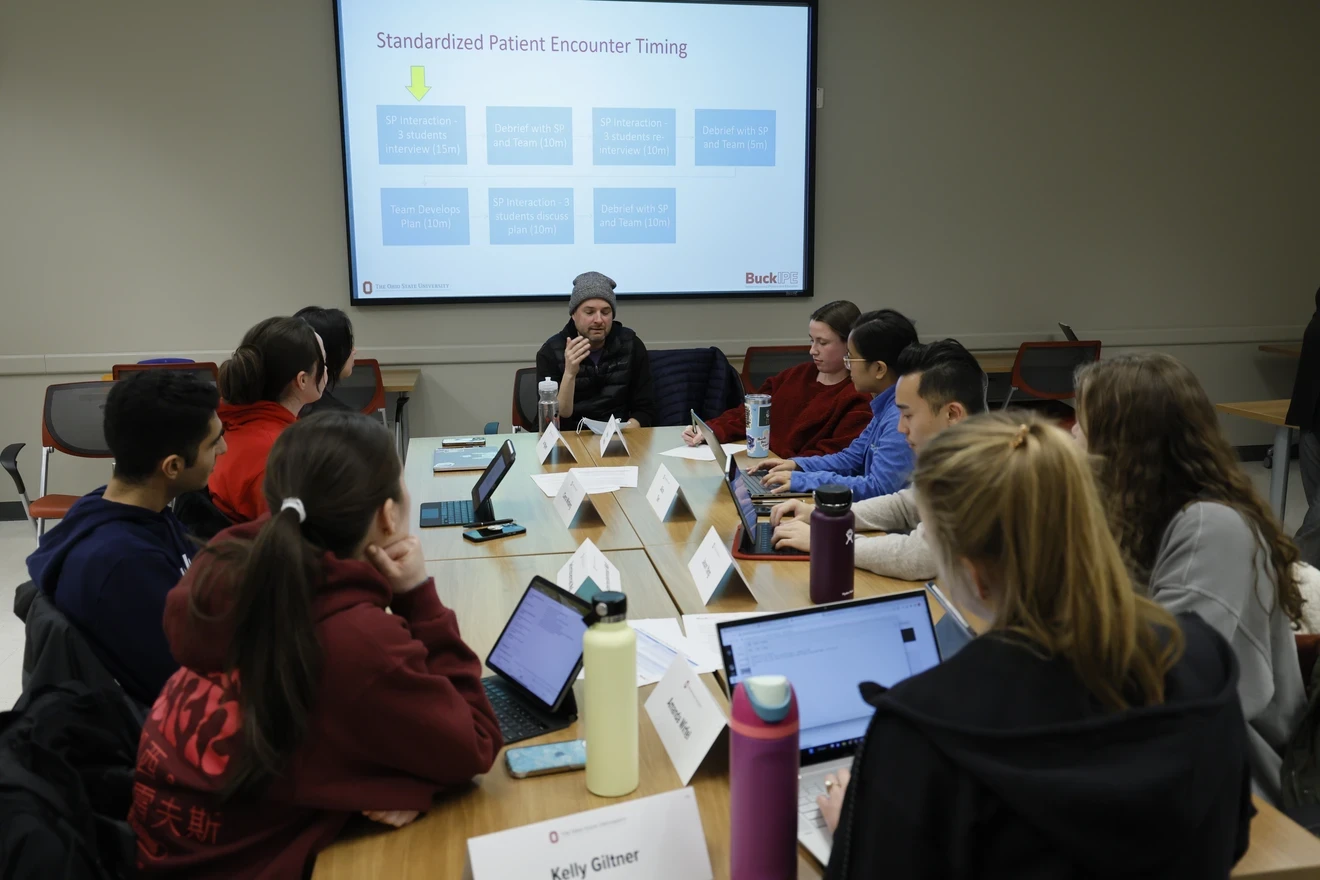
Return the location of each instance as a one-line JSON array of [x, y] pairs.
[[483, 582], [1271, 412]]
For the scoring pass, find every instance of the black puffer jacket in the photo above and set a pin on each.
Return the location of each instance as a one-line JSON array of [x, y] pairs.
[[620, 385]]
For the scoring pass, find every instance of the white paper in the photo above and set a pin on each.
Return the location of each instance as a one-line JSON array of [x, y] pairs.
[[702, 635], [588, 564], [659, 641], [550, 484], [663, 492], [711, 565], [547, 443], [641, 839], [686, 716], [703, 452], [618, 477], [569, 498]]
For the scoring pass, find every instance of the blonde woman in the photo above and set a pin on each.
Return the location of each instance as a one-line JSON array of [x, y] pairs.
[[1087, 732], [1196, 535]]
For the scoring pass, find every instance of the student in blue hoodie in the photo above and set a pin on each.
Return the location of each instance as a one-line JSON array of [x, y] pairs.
[[110, 562], [879, 461]]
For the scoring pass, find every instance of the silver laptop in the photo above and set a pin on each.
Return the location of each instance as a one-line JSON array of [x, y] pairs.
[[826, 652], [755, 487]]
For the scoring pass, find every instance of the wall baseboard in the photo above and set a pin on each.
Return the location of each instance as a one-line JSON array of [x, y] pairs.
[[11, 511]]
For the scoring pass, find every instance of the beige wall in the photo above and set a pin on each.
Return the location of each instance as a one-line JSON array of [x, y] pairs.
[[171, 172]]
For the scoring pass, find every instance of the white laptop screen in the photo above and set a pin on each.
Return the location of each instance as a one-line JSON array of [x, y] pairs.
[[826, 653]]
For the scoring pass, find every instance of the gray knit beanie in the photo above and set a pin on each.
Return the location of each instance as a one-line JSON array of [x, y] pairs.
[[591, 285]]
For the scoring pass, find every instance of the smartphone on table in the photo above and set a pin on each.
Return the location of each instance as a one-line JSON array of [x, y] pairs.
[[544, 760], [490, 533]]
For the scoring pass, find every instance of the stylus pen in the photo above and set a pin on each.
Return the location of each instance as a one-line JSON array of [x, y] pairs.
[[482, 525]]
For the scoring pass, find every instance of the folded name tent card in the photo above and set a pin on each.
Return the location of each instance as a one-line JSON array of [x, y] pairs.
[[612, 441], [547, 443], [665, 495], [712, 567], [643, 839], [588, 572], [571, 498], [686, 716]]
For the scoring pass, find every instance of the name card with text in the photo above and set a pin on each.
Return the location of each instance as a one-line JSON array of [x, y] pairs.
[[547, 443], [665, 494], [588, 572], [686, 716], [645, 839], [712, 566], [572, 496], [612, 442]]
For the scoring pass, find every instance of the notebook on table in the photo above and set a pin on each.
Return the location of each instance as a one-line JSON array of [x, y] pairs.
[[827, 651]]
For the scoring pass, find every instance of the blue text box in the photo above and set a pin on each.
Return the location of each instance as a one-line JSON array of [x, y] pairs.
[[635, 215], [421, 135], [529, 136], [535, 215], [423, 216], [735, 137], [632, 136]]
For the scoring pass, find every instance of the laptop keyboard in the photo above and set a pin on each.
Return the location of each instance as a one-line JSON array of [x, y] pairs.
[[809, 816], [455, 513], [764, 537], [754, 485], [516, 723]]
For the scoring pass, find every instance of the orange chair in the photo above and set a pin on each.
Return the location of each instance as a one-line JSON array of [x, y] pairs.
[[207, 370], [1045, 371], [73, 422], [763, 361], [365, 389]]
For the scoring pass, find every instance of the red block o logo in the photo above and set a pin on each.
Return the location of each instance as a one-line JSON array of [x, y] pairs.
[[554, 836], [366, 288]]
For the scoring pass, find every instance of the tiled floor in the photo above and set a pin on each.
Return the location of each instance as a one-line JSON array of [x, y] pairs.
[[17, 541]]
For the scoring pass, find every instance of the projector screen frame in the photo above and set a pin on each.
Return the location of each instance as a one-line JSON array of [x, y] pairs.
[[809, 200]]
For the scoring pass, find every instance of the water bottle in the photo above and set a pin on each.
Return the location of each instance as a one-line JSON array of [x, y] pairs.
[[609, 656], [547, 404], [763, 780], [756, 414], [832, 545]]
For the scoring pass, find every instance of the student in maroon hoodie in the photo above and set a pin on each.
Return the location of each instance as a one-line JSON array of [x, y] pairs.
[[279, 369], [814, 408], [343, 708]]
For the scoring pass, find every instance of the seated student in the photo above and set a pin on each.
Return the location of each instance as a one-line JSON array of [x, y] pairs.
[[357, 692], [336, 332], [1087, 733], [939, 385], [1197, 535], [878, 461], [110, 562], [814, 409], [279, 369], [602, 367]]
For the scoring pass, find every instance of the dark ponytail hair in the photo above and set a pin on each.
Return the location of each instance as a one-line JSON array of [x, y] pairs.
[[342, 467], [271, 356], [336, 331], [839, 316]]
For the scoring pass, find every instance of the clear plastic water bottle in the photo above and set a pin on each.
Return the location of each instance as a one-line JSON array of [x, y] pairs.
[[547, 404]]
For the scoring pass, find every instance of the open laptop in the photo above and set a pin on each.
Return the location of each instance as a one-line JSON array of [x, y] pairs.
[[477, 509], [826, 652], [752, 539], [755, 487], [1068, 333], [536, 660]]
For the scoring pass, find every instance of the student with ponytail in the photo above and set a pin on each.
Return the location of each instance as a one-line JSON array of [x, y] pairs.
[[1087, 732], [321, 676], [278, 369]]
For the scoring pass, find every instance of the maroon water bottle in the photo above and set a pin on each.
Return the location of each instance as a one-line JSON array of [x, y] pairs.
[[832, 545], [763, 780]]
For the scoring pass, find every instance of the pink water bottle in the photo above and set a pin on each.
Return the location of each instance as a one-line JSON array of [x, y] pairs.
[[763, 779]]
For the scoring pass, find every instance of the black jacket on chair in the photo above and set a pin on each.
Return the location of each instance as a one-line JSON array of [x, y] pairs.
[[620, 385], [1306, 387], [999, 763]]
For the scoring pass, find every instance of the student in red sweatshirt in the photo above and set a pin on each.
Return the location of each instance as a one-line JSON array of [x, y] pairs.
[[814, 408], [321, 676], [279, 369]]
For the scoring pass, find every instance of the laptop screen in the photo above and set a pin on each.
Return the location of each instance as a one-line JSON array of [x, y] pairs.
[[826, 652], [541, 645], [742, 499]]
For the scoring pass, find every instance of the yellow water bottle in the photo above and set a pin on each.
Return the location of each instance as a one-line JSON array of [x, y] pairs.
[[609, 656]]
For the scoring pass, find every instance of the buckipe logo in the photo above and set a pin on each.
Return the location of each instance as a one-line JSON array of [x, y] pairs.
[[772, 278]]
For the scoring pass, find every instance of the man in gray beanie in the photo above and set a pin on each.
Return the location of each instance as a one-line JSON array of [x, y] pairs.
[[602, 367]]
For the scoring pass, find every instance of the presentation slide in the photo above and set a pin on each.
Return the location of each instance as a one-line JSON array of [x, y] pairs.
[[495, 150]]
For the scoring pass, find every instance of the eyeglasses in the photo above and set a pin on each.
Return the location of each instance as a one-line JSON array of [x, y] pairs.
[[849, 360]]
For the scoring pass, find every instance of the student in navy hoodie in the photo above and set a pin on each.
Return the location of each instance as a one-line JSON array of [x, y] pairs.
[[119, 551]]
